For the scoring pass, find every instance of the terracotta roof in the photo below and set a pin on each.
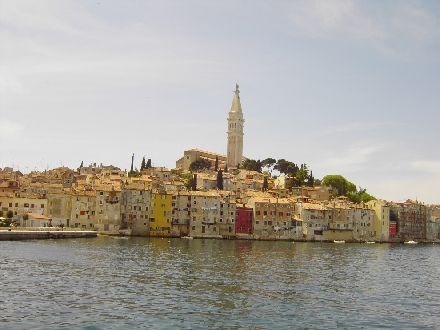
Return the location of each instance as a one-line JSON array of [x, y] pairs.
[[38, 216]]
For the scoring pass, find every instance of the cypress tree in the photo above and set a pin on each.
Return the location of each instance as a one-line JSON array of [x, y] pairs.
[[265, 184], [216, 164], [194, 183], [220, 180]]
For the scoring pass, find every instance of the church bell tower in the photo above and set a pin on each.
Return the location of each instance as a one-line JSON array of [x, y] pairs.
[[235, 132]]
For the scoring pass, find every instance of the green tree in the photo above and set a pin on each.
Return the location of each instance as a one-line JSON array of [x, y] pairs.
[[394, 216], [317, 182], [302, 175], [134, 173], [341, 184], [220, 180], [194, 183], [360, 196], [310, 180], [9, 214], [252, 165], [268, 164], [265, 184], [216, 164], [286, 167], [143, 164], [148, 165], [200, 164], [187, 179]]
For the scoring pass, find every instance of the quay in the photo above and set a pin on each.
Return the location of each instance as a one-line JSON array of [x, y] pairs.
[[43, 233]]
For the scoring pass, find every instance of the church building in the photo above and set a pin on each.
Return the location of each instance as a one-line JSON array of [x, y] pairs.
[[234, 156]]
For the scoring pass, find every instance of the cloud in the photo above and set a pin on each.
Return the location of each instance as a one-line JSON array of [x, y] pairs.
[[324, 18], [399, 30], [9, 130], [352, 157], [432, 167], [416, 23], [10, 84], [354, 127]]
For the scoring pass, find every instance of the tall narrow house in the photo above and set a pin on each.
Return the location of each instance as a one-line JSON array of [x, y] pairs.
[[235, 132]]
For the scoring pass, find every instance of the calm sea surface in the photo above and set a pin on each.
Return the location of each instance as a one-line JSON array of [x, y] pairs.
[[154, 283]]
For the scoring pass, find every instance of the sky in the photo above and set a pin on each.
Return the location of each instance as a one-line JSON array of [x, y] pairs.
[[346, 87]]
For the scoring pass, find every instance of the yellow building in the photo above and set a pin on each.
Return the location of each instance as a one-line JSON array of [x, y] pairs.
[[381, 219], [23, 205], [160, 213]]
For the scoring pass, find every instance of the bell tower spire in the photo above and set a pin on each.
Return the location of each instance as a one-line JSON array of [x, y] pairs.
[[235, 131]]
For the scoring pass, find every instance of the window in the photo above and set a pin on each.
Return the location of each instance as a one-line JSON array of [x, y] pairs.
[[152, 219]]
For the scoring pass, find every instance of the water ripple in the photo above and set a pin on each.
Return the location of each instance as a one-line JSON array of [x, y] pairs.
[[158, 283]]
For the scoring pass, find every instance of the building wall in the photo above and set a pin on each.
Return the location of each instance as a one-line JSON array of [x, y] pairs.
[[108, 210], [135, 201], [83, 210], [160, 213], [60, 208], [243, 221], [205, 214]]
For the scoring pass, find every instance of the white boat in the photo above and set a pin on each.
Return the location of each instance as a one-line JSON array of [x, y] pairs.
[[335, 241], [411, 242], [188, 237], [370, 242]]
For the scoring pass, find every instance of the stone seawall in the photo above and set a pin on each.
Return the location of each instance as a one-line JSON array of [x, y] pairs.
[[17, 235]]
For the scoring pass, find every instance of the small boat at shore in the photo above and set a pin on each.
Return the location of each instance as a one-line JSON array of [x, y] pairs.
[[335, 241], [411, 242], [188, 237], [370, 242]]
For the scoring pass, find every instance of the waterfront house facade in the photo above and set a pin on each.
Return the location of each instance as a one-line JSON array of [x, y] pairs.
[[160, 213], [135, 201]]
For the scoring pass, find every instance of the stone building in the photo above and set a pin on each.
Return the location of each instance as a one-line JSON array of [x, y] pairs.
[[135, 201]]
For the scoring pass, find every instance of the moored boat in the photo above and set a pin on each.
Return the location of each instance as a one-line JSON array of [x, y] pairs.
[[411, 242], [336, 241]]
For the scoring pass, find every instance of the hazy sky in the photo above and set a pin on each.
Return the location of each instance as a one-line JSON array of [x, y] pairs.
[[347, 87]]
